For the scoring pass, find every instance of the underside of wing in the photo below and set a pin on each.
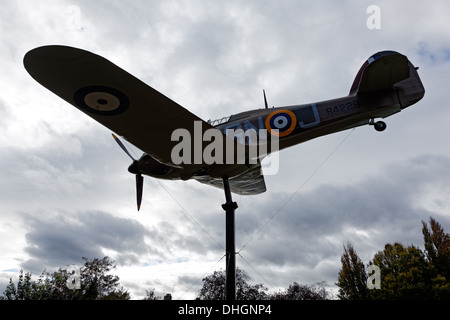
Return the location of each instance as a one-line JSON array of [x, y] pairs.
[[113, 97], [381, 71], [249, 183]]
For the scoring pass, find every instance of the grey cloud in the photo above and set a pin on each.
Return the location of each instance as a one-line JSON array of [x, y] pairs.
[[63, 238]]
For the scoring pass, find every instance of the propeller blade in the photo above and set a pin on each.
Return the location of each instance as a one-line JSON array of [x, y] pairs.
[[122, 146], [133, 168], [139, 189]]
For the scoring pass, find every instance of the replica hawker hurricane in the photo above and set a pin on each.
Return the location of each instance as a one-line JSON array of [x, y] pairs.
[[386, 83]]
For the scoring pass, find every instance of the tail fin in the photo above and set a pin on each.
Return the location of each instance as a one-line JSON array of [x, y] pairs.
[[381, 71], [389, 70]]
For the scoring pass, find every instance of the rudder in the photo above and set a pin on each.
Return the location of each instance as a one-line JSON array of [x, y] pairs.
[[381, 71]]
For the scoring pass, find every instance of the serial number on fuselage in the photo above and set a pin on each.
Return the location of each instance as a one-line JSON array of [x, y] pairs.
[[343, 107]]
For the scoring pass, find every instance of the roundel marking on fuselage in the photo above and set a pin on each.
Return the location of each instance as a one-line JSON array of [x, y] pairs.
[[282, 120]]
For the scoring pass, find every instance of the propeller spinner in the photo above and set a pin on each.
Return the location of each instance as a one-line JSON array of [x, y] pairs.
[[133, 168]]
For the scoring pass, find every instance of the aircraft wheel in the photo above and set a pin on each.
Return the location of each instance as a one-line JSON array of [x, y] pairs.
[[380, 126]]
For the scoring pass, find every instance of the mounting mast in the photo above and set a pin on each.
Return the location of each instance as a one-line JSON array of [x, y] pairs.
[[230, 243]]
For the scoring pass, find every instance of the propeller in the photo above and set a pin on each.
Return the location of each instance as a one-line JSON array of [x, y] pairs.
[[133, 168]]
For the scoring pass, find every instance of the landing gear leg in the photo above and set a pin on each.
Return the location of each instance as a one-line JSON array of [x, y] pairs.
[[379, 125]]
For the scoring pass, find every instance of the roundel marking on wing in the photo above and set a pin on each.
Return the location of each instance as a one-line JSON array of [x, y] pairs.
[[101, 100], [282, 120]]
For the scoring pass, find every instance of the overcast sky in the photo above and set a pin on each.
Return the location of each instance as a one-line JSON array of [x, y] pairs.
[[66, 192]]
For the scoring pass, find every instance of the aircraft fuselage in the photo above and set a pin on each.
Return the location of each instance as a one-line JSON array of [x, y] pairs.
[[300, 123]]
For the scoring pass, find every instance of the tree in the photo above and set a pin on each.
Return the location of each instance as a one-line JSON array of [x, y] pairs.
[[303, 292], [94, 284], [27, 289], [404, 273], [352, 280], [437, 250], [407, 272], [150, 295], [214, 287], [437, 247]]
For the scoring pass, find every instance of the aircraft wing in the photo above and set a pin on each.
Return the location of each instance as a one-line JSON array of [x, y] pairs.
[[249, 183], [381, 71], [113, 97]]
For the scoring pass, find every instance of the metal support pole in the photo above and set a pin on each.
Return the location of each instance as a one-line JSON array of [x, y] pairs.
[[230, 245]]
